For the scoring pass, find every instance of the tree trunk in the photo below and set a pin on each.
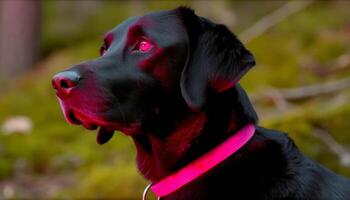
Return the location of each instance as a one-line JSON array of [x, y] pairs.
[[19, 36]]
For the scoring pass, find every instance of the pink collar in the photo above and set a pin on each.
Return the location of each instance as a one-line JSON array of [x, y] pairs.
[[204, 163]]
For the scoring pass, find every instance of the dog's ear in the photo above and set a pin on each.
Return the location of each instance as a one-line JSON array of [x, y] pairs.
[[216, 60]]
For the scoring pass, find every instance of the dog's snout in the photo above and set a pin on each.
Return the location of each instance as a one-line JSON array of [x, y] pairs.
[[64, 82]]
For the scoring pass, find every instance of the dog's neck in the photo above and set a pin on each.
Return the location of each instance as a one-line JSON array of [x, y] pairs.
[[161, 160], [193, 136], [185, 144]]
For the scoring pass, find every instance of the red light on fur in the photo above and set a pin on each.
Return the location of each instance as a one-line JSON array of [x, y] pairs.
[[107, 41]]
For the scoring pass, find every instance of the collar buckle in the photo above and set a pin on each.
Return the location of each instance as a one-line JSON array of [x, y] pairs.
[[145, 192]]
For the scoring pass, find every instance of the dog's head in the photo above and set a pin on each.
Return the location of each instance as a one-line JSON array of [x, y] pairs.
[[151, 67]]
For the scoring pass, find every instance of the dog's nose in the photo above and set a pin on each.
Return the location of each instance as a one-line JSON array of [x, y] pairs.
[[63, 82]]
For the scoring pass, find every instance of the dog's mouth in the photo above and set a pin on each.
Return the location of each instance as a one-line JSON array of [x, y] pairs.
[[91, 121], [105, 131]]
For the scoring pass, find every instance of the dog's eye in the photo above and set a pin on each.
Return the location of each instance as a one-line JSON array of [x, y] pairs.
[[143, 45]]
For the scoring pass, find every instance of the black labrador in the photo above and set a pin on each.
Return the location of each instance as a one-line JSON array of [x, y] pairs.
[[170, 81]]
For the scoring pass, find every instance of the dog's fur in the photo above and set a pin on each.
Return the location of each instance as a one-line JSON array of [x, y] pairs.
[[180, 99]]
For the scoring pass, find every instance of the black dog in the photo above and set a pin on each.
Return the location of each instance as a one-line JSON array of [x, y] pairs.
[[169, 80]]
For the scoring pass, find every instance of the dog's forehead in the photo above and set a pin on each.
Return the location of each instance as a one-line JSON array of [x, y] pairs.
[[163, 13], [162, 22], [122, 27]]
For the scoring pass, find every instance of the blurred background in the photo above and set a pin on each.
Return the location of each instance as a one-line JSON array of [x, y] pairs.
[[300, 85]]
